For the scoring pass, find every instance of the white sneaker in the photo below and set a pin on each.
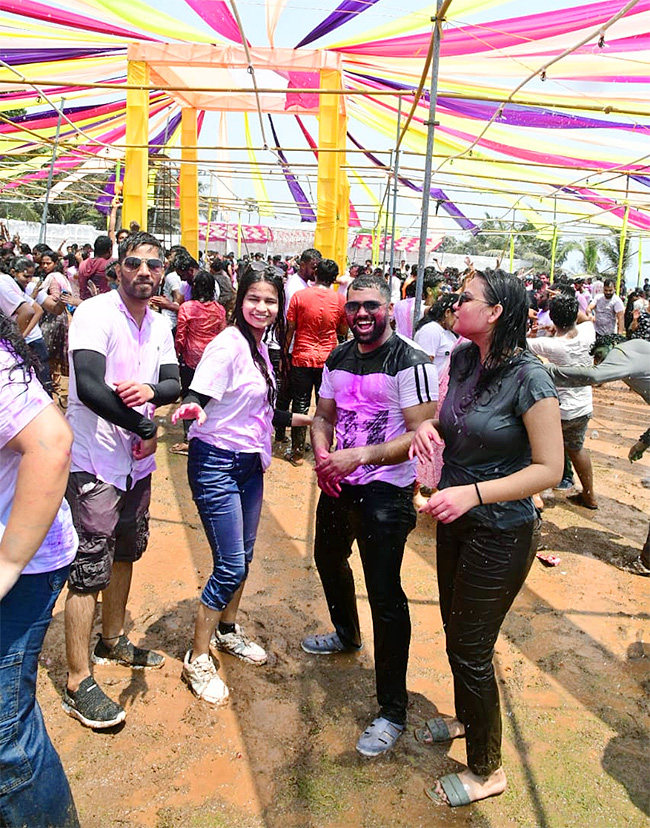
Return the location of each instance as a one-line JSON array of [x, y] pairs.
[[203, 680], [238, 644]]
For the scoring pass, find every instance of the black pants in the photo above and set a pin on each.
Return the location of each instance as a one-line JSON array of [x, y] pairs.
[[480, 571], [303, 381], [39, 350], [186, 376], [283, 384], [379, 517]]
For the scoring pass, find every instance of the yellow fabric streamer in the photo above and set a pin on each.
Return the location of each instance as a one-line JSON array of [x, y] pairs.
[[148, 19], [261, 195], [415, 21]]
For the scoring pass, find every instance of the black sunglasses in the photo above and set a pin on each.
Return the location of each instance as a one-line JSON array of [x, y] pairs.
[[467, 297], [133, 263], [370, 306]]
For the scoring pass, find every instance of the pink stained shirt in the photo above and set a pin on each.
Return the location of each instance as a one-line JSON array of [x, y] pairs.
[[20, 403], [239, 417], [198, 324], [104, 324]]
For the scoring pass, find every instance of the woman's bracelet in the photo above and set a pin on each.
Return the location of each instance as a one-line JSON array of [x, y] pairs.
[[478, 494]]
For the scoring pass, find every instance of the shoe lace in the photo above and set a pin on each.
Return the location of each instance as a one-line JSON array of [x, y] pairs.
[[204, 669]]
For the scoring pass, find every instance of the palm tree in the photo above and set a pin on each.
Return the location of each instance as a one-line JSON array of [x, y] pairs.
[[588, 248], [610, 249]]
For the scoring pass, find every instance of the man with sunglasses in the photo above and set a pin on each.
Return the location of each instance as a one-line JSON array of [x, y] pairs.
[[123, 365], [376, 390]]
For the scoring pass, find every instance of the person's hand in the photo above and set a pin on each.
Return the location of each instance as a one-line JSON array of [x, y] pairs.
[[144, 448], [636, 451], [424, 439], [133, 393], [189, 411], [448, 505], [333, 467]]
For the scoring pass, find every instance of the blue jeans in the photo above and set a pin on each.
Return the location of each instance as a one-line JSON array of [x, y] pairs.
[[227, 487], [34, 790]]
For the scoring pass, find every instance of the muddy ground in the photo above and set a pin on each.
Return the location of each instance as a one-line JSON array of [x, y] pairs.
[[572, 666]]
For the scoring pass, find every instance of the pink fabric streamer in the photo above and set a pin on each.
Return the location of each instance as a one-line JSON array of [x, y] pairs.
[[217, 15], [635, 217], [39, 11], [499, 34]]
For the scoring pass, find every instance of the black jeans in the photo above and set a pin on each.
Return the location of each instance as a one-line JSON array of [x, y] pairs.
[[480, 571], [39, 350], [379, 517], [186, 376], [303, 380], [283, 399]]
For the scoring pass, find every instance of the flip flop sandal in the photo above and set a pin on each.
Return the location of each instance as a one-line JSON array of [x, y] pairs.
[[454, 791], [637, 567], [435, 730]]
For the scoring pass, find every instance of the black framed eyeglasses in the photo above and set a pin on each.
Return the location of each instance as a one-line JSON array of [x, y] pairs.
[[370, 306], [133, 263]]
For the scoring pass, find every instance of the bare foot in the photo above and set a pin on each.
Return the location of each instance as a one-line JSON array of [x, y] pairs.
[[456, 731], [476, 787]]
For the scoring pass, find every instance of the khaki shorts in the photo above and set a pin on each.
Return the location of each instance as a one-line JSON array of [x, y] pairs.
[[111, 524]]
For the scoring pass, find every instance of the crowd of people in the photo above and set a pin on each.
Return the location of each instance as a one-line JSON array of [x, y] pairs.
[[452, 392]]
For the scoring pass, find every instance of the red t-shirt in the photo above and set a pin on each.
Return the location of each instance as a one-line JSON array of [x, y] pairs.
[[316, 313], [198, 324]]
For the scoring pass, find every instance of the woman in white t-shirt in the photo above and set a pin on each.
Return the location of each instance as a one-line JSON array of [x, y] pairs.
[[37, 543], [231, 401], [434, 332]]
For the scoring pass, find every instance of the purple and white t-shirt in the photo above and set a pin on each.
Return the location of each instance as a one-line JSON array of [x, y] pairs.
[[20, 403], [370, 391], [239, 417]]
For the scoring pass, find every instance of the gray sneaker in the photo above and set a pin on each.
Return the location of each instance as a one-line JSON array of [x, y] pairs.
[[379, 737], [326, 644], [237, 643], [125, 653], [92, 706]]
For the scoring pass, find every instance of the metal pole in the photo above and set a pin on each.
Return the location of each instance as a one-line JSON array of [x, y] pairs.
[[383, 255], [43, 231], [395, 172], [428, 161]]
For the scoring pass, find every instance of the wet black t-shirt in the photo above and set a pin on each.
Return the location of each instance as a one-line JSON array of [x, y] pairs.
[[487, 439]]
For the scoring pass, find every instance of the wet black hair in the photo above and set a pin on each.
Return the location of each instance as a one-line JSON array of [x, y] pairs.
[[563, 310], [508, 334], [368, 281], [438, 310], [607, 341], [134, 240], [251, 276], [203, 286], [326, 271], [18, 348]]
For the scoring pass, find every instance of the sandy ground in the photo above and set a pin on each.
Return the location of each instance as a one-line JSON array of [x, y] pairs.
[[572, 666]]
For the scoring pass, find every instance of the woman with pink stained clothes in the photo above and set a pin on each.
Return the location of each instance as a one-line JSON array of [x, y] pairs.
[[231, 400]]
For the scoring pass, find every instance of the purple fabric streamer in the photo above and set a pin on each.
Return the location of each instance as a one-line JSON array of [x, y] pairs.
[[513, 114], [105, 200], [16, 57], [341, 14], [641, 179], [304, 207], [439, 195]]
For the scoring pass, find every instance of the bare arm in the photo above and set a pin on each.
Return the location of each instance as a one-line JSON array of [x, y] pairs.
[[37, 312], [44, 445], [620, 323], [23, 315]]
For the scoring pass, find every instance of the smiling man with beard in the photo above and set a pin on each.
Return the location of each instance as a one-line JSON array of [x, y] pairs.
[[123, 365], [376, 390]]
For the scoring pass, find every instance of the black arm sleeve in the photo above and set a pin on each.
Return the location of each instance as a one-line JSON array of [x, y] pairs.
[[89, 370], [195, 397], [168, 387], [281, 419]]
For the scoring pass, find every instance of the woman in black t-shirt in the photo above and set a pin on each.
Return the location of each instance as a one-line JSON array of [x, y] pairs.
[[500, 422]]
